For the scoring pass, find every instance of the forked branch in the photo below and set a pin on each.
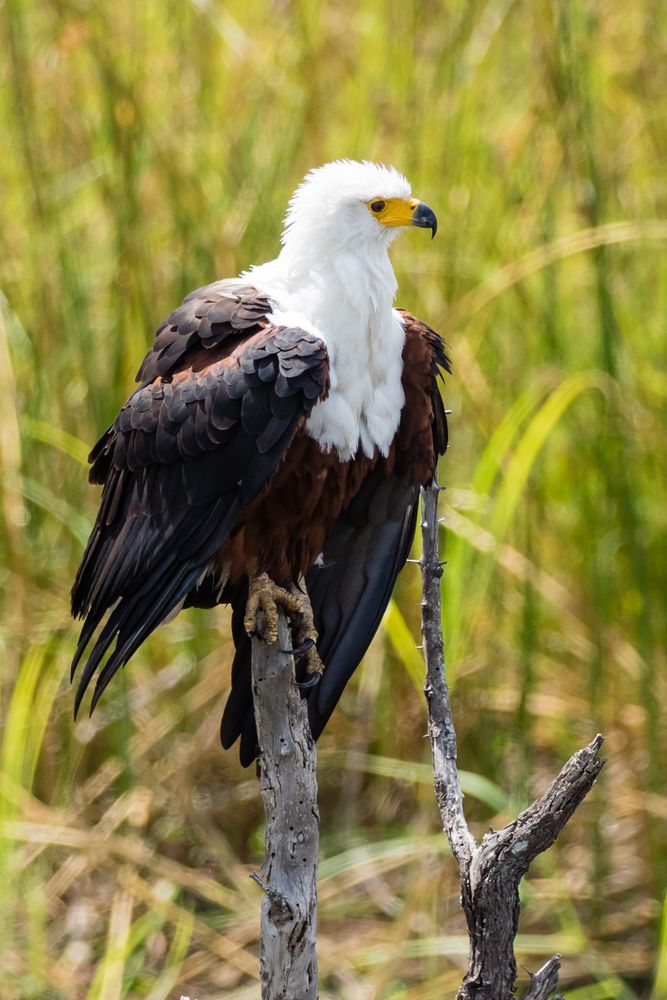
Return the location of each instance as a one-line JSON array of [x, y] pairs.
[[490, 872]]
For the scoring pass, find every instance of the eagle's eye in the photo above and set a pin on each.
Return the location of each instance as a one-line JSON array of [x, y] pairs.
[[377, 206]]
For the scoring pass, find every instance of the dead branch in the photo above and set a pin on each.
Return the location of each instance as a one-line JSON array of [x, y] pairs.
[[490, 872], [287, 765], [544, 981]]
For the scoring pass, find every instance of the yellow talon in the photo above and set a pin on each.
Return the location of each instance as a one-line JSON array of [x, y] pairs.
[[264, 598], [261, 616]]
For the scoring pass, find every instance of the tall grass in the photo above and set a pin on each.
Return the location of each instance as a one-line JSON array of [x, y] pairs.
[[148, 148]]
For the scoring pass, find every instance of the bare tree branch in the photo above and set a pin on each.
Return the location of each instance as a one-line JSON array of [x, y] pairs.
[[440, 722], [287, 763], [490, 872]]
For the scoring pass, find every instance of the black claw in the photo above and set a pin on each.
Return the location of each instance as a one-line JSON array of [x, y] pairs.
[[310, 683], [298, 650], [308, 644]]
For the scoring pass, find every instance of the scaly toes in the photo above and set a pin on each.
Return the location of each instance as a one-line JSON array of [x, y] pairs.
[[314, 665], [250, 617], [261, 616], [264, 598], [305, 642], [261, 605]]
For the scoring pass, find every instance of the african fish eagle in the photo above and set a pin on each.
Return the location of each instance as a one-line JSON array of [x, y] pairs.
[[273, 452]]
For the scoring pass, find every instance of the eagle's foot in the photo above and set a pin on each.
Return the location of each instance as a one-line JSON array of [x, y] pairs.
[[264, 599]]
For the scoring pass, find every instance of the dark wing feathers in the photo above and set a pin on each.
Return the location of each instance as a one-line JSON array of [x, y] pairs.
[[238, 710], [207, 317], [350, 591], [188, 451]]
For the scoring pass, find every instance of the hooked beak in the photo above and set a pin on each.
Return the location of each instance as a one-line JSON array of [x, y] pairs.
[[424, 218], [403, 212]]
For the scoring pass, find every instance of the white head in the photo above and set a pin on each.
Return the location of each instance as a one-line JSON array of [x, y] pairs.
[[351, 206]]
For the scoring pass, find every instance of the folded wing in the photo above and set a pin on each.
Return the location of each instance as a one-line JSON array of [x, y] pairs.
[[223, 392]]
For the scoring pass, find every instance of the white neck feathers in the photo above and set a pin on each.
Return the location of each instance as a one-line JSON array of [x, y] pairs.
[[346, 298]]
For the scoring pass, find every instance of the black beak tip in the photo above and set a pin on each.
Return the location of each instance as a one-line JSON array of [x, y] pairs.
[[425, 218]]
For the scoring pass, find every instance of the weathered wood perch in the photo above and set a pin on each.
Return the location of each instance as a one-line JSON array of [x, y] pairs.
[[288, 780], [490, 872]]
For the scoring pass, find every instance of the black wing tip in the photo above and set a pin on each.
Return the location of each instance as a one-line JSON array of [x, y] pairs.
[[100, 688], [229, 729], [74, 664], [249, 748], [111, 668], [87, 630], [238, 723], [78, 698]]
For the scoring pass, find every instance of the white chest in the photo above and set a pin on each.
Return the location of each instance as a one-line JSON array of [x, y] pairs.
[[366, 397], [350, 307]]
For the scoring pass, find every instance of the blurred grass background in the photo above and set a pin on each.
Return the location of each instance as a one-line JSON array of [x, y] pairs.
[[149, 148]]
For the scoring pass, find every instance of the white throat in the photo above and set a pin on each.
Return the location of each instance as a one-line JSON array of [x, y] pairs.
[[346, 300]]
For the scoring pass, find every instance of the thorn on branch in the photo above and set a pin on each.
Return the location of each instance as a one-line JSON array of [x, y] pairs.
[[276, 898], [256, 877]]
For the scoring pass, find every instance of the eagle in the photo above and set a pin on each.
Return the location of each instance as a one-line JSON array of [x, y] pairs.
[[271, 457]]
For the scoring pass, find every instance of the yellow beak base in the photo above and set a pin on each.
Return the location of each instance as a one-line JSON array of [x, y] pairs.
[[403, 212]]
